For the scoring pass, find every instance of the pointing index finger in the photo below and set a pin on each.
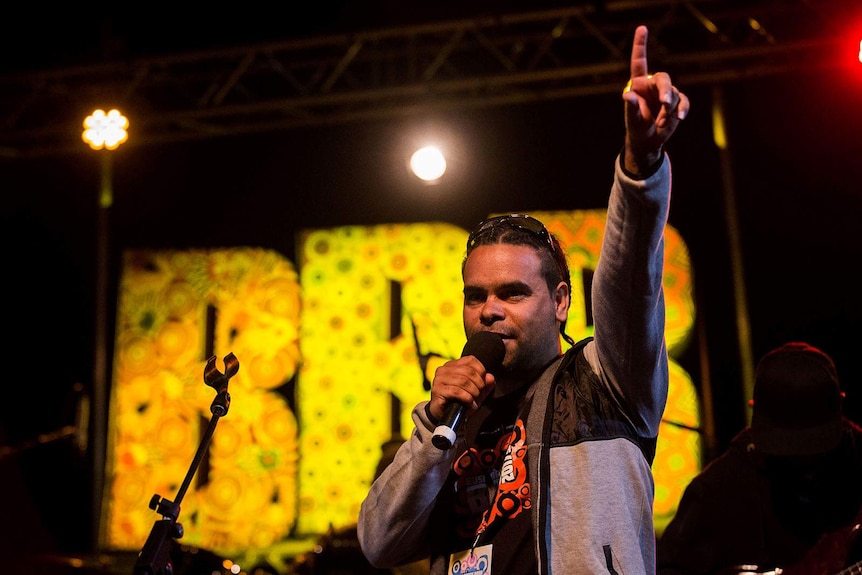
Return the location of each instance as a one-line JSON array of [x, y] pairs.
[[639, 53]]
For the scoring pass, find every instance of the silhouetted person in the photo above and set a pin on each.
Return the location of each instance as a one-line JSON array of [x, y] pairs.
[[787, 492]]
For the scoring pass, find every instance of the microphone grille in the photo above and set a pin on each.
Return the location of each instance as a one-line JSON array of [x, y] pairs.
[[487, 347]]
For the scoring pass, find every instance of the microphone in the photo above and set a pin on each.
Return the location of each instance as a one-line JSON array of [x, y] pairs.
[[489, 349]]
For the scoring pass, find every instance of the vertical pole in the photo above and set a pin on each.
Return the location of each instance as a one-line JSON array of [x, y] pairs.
[[738, 274], [100, 358], [709, 436]]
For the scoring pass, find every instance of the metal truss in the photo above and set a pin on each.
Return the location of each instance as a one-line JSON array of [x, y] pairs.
[[491, 60]]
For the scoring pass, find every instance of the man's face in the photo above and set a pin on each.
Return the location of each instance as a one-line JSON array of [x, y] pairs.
[[504, 292]]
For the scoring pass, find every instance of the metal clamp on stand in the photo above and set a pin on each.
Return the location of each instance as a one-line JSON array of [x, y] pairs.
[[155, 557]]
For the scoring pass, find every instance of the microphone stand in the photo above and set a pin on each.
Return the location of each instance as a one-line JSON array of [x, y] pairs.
[[155, 557]]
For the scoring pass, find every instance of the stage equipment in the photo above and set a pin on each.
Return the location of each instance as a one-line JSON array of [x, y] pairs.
[[155, 556]]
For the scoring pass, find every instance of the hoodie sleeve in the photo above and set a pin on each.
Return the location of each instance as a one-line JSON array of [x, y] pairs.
[[629, 350], [394, 518]]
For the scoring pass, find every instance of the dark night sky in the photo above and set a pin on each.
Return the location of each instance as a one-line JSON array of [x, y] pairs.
[[795, 156]]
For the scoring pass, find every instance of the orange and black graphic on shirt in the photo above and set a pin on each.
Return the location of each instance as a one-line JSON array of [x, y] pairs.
[[477, 471]]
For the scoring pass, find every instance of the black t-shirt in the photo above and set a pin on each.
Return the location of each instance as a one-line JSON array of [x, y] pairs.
[[490, 495]]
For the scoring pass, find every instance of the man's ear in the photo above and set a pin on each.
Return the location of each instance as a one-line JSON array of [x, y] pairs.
[[562, 300]]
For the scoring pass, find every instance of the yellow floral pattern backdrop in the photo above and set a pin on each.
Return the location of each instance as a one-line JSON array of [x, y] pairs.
[[173, 308], [331, 363]]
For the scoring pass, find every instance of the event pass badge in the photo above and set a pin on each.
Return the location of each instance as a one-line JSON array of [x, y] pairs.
[[475, 561]]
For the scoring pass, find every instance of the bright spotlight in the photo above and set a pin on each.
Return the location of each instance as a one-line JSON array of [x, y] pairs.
[[428, 163], [105, 130]]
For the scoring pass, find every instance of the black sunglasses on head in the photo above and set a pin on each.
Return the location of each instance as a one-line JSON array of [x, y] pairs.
[[516, 221]]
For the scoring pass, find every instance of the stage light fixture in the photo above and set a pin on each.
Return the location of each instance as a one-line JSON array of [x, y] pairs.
[[103, 130], [428, 164]]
